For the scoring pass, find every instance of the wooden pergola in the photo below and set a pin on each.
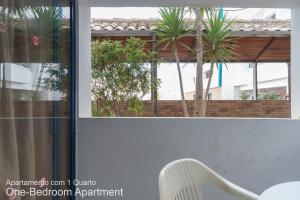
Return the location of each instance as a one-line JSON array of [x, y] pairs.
[[256, 42], [249, 48]]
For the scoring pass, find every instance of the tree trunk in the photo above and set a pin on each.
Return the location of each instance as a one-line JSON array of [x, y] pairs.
[[116, 107], [208, 86], [185, 112], [199, 100]]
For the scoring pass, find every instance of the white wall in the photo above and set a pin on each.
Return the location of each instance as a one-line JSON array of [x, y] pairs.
[[84, 59], [265, 13], [295, 63], [129, 153], [240, 76]]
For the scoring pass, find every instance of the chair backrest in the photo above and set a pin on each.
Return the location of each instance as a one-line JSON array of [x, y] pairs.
[[182, 180]]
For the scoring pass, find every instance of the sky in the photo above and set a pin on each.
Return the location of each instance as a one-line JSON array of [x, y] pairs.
[[150, 12]]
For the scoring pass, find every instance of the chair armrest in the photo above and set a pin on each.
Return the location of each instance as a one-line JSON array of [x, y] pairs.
[[230, 187], [237, 191]]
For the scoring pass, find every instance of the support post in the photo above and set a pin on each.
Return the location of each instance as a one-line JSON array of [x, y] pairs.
[[295, 63], [255, 92], [289, 81], [154, 75], [220, 74], [220, 65], [84, 59]]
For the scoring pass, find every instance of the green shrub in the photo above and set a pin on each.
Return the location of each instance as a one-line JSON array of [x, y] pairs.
[[121, 77], [268, 96]]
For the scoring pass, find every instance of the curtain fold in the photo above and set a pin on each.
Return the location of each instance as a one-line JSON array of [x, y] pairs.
[[17, 136]]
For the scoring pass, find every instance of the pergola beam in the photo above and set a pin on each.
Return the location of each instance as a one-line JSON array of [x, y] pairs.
[[264, 49], [249, 49]]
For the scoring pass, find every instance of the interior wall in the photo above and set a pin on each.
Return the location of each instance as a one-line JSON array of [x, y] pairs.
[[129, 153]]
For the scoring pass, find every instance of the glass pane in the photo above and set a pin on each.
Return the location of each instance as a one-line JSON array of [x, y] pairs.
[[34, 94]]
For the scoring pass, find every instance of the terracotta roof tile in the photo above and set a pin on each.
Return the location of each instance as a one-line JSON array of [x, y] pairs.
[[148, 24]]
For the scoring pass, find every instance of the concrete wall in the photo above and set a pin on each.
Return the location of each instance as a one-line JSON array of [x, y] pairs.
[[253, 153], [295, 62], [84, 59]]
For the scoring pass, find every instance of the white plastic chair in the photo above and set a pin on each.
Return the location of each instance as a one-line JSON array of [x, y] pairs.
[[182, 180]]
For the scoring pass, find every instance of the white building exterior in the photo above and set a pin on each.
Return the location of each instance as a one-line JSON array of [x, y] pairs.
[[272, 13], [238, 79]]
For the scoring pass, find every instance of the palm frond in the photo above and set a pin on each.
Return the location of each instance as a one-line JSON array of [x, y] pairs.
[[186, 46], [220, 45], [172, 24], [43, 20]]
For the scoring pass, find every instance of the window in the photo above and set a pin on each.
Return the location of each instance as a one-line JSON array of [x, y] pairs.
[[229, 81], [207, 74], [209, 96], [35, 95]]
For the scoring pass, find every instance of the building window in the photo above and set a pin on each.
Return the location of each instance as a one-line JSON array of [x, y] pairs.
[[209, 96], [207, 74]]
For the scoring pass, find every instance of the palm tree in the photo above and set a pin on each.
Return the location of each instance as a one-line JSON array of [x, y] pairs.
[[199, 103], [199, 107], [172, 26], [219, 44]]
